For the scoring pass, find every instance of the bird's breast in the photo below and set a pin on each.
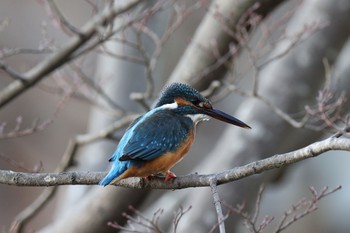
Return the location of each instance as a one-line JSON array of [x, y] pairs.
[[166, 161]]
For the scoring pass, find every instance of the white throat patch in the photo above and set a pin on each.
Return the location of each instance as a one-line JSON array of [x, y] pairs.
[[198, 117], [169, 106]]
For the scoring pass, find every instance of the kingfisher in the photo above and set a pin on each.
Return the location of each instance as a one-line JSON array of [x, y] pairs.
[[160, 138]]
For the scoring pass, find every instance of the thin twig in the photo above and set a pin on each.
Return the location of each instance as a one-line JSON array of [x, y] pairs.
[[257, 203], [19, 165], [29, 212], [149, 67], [11, 72], [97, 88], [18, 132], [67, 160], [9, 52], [62, 19], [285, 116], [123, 57], [61, 57], [25, 215], [307, 207], [178, 215], [299, 37], [213, 87], [140, 223], [217, 203]]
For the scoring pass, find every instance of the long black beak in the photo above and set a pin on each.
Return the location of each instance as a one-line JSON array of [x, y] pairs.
[[217, 114]]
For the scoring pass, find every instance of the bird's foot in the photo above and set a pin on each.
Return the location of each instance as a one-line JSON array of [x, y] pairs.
[[169, 175]]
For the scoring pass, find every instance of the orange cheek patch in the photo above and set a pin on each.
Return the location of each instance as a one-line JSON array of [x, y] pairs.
[[181, 101]]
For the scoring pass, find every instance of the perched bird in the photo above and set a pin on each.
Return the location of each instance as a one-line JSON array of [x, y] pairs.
[[159, 139]]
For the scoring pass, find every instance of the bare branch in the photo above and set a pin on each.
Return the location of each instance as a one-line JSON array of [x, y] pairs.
[[285, 116], [329, 110], [59, 58], [17, 131], [178, 215], [193, 180], [19, 165], [97, 88], [60, 20], [213, 87], [25, 215], [29, 212], [11, 72], [66, 161], [251, 221], [143, 221], [195, 60], [217, 203], [293, 41], [307, 207], [9, 52], [149, 65], [257, 203], [138, 223], [124, 57]]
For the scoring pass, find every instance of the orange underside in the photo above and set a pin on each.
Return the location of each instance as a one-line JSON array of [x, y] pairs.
[[161, 164]]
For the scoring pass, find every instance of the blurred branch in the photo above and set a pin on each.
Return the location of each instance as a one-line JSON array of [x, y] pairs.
[[138, 221], [257, 203], [178, 215], [181, 13], [296, 212], [217, 203], [60, 57], [97, 88], [60, 19], [17, 131], [20, 131], [193, 180], [250, 221], [66, 162], [195, 60], [9, 52], [213, 87], [11, 72], [20, 165], [308, 206], [29, 212]]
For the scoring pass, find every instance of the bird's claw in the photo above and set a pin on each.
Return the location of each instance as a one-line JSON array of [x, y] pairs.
[[169, 175]]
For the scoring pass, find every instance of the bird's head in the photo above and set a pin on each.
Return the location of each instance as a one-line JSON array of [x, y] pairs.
[[187, 101]]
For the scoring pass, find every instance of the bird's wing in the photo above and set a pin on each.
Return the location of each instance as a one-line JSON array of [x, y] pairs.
[[157, 134]]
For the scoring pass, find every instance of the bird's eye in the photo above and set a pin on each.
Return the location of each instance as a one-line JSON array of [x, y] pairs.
[[196, 102]]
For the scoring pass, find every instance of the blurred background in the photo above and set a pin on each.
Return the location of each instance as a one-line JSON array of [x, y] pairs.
[[253, 58]]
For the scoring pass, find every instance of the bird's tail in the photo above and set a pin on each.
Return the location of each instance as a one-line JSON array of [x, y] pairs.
[[113, 174]]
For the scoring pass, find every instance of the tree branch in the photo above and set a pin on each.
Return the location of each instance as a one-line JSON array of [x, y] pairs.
[[193, 180], [11, 72], [59, 58], [195, 59], [61, 19], [217, 203]]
